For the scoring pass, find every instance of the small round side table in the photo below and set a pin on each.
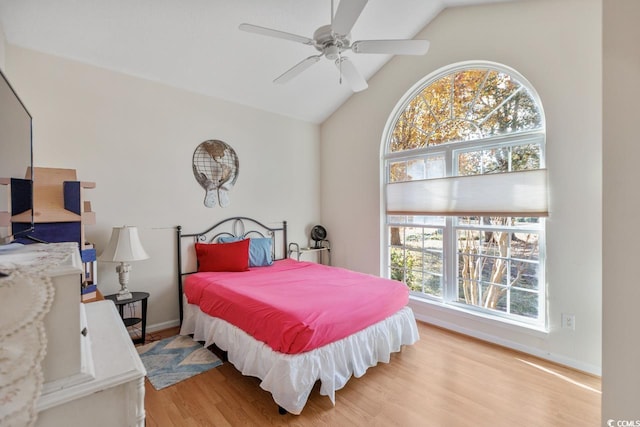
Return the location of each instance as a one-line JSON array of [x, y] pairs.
[[130, 321]]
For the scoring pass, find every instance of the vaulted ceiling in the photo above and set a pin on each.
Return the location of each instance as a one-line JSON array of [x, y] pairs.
[[196, 44]]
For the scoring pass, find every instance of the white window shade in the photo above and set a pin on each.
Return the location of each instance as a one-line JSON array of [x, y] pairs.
[[521, 193]]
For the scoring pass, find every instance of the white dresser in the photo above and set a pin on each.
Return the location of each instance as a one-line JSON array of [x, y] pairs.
[[91, 373]]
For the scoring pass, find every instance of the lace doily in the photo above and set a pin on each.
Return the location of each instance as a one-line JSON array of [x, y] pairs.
[[26, 295]]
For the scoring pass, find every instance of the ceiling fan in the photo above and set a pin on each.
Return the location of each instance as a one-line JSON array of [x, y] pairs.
[[335, 39]]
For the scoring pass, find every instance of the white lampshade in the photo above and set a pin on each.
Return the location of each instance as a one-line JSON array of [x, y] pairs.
[[124, 246]]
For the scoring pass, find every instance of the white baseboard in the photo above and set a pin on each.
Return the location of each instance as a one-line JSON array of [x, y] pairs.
[[162, 326]]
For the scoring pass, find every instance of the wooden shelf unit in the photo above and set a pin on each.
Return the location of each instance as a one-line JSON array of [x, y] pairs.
[[60, 210], [59, 205]]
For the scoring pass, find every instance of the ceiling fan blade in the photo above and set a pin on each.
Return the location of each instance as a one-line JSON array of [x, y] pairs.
[[351, 74], [297, 69], [347, 15], [275, 33], [395, 47]]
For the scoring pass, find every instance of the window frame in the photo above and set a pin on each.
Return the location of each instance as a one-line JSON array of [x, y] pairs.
[[450, 152]]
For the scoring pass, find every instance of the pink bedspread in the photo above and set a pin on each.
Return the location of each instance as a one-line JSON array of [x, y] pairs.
[[296, 306]]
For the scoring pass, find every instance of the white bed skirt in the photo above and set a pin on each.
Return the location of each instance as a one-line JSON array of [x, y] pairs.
[[290, 377]]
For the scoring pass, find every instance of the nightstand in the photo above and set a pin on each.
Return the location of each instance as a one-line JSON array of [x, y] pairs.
[[130, 321], [323, 248]]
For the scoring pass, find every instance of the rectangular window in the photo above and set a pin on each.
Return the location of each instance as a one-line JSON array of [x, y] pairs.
[[489, 262], [424, 167], [497, 263], [416, 253], [504, 158]]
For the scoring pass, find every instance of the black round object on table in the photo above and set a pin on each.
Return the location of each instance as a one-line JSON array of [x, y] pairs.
[[318, 234]]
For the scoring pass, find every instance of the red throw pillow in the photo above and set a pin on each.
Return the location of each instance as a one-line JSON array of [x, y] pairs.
[[223, 256]]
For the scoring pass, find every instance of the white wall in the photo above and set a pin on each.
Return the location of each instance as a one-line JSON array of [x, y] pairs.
[[3, 44], [135, 139], [556, 45], [621, 339], [3, 47]]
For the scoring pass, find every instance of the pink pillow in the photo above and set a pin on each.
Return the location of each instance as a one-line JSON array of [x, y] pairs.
[[223, 256]]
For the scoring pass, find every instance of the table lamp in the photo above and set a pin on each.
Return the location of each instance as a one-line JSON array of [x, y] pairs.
[[123, 247]]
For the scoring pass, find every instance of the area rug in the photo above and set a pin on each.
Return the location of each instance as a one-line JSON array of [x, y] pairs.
[[174, 359]]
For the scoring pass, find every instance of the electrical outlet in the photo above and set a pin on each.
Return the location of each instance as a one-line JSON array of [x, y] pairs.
[[569, 321]]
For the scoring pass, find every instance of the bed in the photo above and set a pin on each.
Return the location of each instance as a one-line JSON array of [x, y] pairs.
[[289, 323]]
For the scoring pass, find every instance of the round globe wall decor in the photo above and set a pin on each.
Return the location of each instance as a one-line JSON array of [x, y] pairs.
[[215, 166]]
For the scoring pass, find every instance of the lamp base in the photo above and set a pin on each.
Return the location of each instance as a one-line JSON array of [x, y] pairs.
[[124, 294], [123, 276]]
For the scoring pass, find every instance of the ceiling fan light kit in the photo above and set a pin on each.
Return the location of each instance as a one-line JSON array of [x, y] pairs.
[[334, 40], [351, 74]]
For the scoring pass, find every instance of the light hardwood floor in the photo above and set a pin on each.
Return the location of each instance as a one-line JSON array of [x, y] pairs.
[[445, 379]]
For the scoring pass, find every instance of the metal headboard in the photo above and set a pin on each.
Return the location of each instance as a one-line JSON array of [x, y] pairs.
[[232, 227]]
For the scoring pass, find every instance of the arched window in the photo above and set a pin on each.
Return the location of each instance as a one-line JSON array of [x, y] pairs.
[[465, 191]]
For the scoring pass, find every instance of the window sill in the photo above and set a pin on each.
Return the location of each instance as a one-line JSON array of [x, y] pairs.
[[463, 313]]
